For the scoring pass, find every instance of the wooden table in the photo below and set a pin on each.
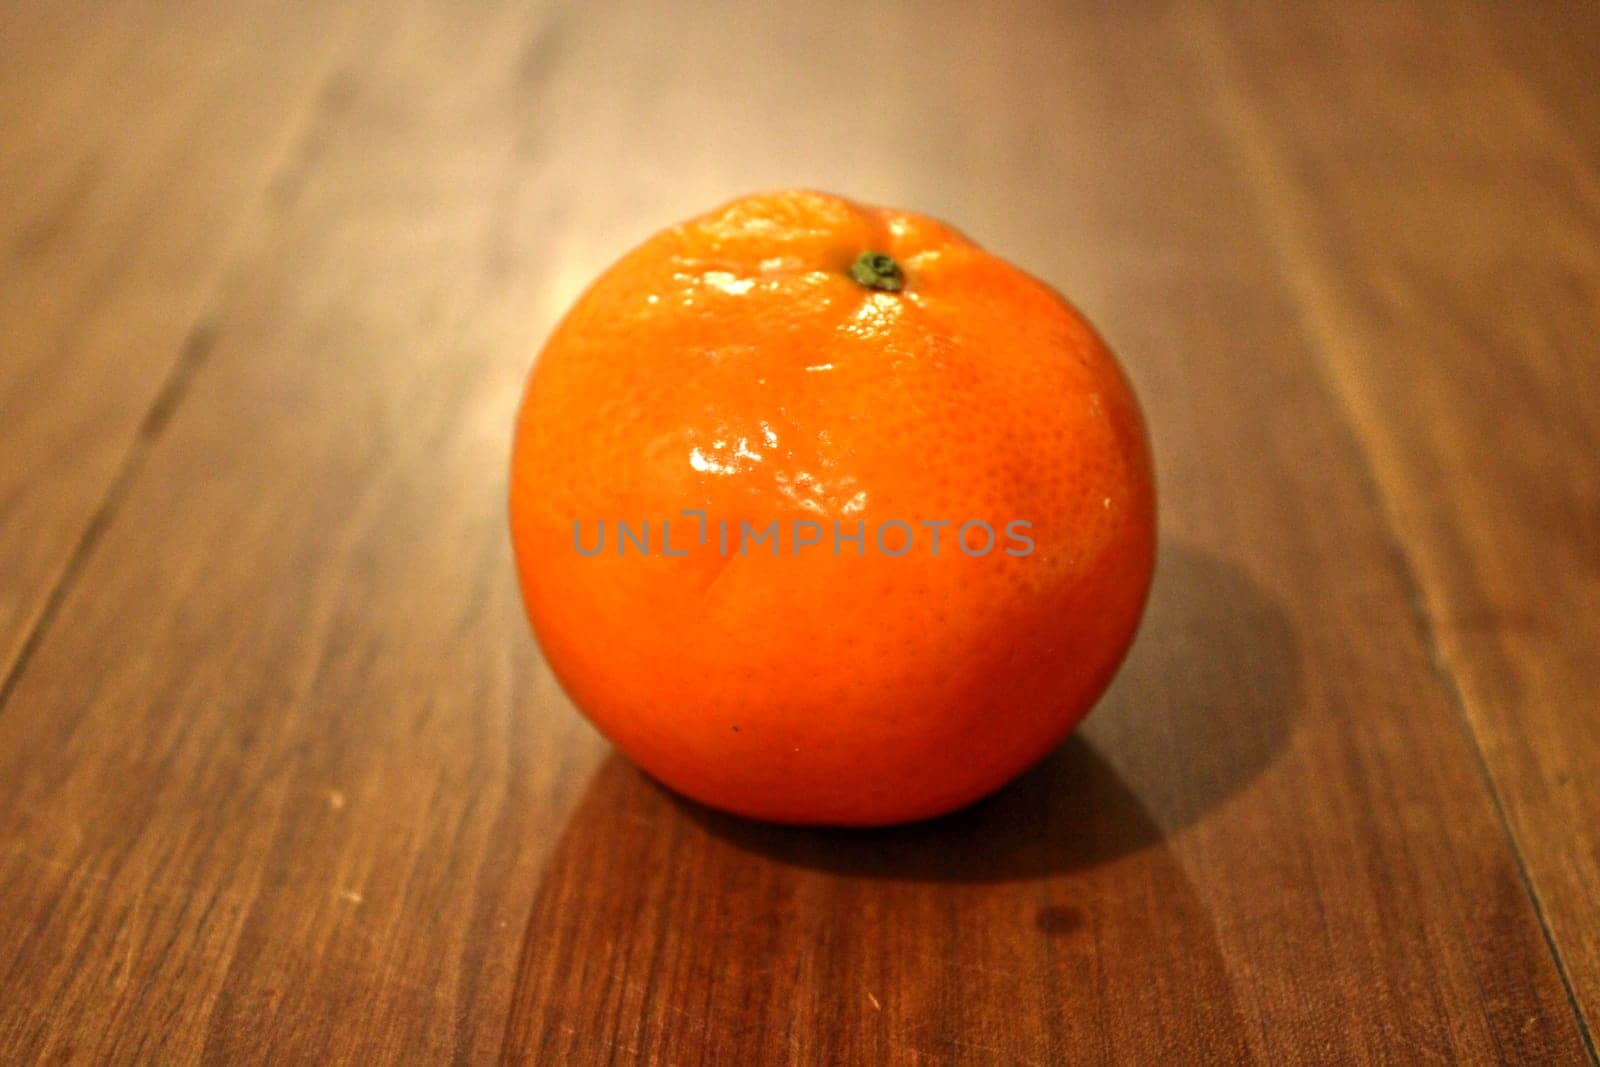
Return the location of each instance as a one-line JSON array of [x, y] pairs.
[[282, 774]]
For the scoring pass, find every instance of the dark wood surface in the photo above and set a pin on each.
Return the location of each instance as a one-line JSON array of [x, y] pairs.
[[283, 776]]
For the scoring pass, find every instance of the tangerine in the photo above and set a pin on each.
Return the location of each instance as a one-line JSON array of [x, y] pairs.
[[823, 514]]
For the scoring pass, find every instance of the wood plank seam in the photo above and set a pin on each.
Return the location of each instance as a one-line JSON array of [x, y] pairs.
[[1314, 298], [196, 345], [232, 241], [166, 400]]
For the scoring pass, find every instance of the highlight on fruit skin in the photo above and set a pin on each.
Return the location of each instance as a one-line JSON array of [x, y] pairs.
[[752, 471]]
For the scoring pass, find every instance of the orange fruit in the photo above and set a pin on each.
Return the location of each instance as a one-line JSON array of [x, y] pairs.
[[732, 462]]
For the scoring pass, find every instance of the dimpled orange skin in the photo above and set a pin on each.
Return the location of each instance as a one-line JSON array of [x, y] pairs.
[[732, 365]]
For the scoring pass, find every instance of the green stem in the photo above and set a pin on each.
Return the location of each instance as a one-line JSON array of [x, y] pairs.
[[878, 271]]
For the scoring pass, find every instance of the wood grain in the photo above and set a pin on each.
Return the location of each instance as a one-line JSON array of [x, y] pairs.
[[283, 777], [1457, 318], [138, 143]]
